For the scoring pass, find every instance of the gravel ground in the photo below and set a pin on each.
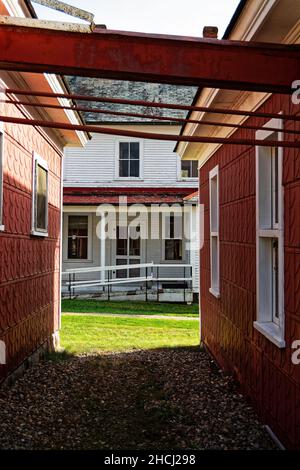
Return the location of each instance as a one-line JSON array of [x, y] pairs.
[[159, 399]]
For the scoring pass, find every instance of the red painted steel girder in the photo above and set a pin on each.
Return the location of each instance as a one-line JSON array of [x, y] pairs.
[[151, 58], [203, 122], [150, 135], [150, 104]]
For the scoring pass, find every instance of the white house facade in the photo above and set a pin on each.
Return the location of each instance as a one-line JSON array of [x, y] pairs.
[[124, 205]]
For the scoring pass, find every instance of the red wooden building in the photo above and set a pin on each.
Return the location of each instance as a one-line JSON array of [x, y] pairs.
[[30, 217], [250, 260]]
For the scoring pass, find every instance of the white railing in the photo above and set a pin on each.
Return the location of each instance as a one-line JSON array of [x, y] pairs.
[[152, 277]]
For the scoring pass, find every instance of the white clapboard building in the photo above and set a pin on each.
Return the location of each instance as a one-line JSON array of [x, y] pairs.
[[126, 203]]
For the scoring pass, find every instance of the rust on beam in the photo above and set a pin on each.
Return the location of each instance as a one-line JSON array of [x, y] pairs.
[[151, 104], [150, 135], [155, 117], [151, 58]]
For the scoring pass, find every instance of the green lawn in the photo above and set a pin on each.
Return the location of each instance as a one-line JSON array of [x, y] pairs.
[[91, 334], [132, 308]]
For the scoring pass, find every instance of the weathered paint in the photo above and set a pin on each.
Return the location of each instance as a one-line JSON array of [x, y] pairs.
[[265, 372], [150, 58]]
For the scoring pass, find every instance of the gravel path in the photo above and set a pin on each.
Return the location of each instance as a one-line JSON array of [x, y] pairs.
[[159, 399]]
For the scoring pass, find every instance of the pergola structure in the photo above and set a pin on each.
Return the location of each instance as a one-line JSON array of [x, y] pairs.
[[172, 60]]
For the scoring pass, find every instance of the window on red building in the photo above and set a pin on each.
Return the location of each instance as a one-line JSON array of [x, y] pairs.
[[1, 175], [214, 232], [40, 197], [269, 236]]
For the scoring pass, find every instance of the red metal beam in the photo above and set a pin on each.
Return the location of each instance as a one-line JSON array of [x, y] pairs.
[[151, 58], [147, 116], [150, 135], [150, 104]]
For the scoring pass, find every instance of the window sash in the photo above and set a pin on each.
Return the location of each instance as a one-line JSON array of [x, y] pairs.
[[189, 169], [1, 174], [40, 196], [214, 232], [269, 237], [78, 230], [129, 159], [173, 249]]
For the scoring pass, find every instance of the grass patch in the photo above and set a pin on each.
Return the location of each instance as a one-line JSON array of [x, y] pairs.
[[132, 308], [88, 334]]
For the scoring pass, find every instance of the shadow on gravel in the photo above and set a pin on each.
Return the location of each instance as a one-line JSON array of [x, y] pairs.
[[155, 399]]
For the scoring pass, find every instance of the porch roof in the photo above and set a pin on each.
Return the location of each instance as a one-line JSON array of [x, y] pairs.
[[97, 196]]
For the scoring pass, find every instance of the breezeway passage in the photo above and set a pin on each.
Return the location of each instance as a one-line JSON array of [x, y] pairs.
[[157, 398]]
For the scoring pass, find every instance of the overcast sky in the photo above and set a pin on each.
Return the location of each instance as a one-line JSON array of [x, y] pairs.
[[183, 17]]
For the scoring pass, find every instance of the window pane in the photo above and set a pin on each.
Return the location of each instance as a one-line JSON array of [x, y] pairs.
[[124, 168], [134, 247], [121, 273], [275, 282], [214, 263], [78, 225], [134, 150], [185, 168], [173, 250], [275, 184], [134, 168], [77, 247], [214, 205], [78, 237], [121, 241], [41, 198], [135, 272], [194, 168], [124, 150]]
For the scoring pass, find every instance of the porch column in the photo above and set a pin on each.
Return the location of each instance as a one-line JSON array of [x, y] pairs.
[[102, 246]]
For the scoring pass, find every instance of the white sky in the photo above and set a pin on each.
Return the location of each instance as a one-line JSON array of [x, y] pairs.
[[182, 17]]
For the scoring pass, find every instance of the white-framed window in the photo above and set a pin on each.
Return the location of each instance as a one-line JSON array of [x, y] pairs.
[[78, 234], [1, 174], [214, 232], [189, 169], [129, 161], [269, 236], [39, 196]]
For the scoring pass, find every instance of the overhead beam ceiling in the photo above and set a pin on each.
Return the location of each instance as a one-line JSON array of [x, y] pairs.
[[151, 58]]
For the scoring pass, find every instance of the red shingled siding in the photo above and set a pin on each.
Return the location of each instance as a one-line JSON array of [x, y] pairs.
[[29, 269], [265, 372]]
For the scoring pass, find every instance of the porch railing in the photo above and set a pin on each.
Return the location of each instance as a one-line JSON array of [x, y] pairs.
[[153, 278]]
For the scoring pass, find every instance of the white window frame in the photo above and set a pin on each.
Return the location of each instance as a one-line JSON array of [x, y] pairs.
[[266, 231], [1, 175], [117, 160], [214, 234], [89, 259], [38, 160]]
